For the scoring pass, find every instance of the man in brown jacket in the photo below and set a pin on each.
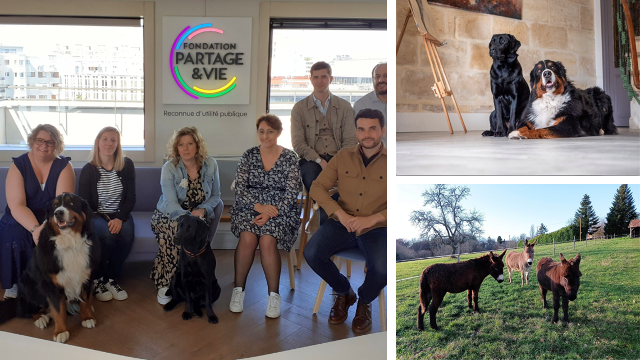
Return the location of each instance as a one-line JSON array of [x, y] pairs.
[[321, 125], [358, 219]]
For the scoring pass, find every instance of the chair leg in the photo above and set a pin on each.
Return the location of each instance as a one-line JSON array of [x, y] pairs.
[[303, 236], [383, 313], [290, 263], [323, 286], [348, 268]]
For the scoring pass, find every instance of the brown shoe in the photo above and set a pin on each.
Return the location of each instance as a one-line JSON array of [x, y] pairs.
[[362, 321], [340, 309]]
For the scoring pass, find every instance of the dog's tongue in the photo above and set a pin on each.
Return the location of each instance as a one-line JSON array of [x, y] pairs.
[[62, 224]]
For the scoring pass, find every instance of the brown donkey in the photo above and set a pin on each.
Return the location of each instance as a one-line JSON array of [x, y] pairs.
[[563, 279], [521, 261], [439, 279]]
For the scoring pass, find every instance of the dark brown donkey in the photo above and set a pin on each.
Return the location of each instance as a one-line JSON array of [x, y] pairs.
[[563, 279], [439, 279], [521, 261]]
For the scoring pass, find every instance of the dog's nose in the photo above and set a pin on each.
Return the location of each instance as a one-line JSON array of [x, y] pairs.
[[59, 213], [547, 73]]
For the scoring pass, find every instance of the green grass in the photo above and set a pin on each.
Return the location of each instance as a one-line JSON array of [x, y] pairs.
[[605, 318]]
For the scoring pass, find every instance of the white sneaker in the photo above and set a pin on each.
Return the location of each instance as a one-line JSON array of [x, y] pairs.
[[273, 307], [100, 290], [11, 293], [163, 298], [115, 290], [237, 300]]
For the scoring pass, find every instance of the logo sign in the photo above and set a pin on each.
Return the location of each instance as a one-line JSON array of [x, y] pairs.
[[207, 60]]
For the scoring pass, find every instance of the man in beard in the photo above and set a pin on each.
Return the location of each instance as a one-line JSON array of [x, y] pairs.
[[357, 220], [377, 99]]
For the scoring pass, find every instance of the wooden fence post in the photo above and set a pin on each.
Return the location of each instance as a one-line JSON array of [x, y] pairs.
[[458, 253], [554, 246], [574, 242]]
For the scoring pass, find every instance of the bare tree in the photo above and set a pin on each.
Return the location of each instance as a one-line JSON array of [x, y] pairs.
[[449, 223], [532, 232]]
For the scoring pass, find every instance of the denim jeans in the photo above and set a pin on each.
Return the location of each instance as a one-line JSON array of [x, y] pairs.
[[114, 247], [310, 171], [333, 237]]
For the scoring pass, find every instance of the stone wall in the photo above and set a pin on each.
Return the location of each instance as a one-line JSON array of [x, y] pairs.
[[561, 30]]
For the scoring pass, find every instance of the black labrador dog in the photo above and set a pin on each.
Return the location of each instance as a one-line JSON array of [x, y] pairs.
[[195, 280], [509, 88]]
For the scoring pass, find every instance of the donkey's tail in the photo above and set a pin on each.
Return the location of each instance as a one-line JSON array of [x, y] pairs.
[[425, 299]]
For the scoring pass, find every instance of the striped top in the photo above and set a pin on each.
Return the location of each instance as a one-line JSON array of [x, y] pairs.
[[109, 191]]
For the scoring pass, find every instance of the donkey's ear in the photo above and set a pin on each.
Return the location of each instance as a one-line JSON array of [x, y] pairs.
[[562, 259], [491, 253], [502, 255], [526, 243], [534, 243], [577, 259]]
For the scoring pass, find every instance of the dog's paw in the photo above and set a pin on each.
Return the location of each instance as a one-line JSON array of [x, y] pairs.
[[62, 337], [487, 133], [197, 312], [213, 319], [43, 321], [170, 305], [601, 132], [516, 135], [89, 323], [187, 316]]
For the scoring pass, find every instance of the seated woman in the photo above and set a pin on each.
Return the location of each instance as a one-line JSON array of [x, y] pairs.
[[108, 184], [190, 184], [265, 212], [33, 181]]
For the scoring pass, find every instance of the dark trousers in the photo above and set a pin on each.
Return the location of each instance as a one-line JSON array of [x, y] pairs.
[[310, 171], [333, 237], [114, 247]]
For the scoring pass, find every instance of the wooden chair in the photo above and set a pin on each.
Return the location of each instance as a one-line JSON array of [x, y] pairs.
[[357, 255], [291, 258]]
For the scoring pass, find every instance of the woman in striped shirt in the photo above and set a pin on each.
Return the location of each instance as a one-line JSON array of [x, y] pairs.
[[108, 184]]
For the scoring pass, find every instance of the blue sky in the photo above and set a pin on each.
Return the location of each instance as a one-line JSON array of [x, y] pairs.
[[511, 209]]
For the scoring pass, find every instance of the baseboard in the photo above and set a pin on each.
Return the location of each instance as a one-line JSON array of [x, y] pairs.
[[420, 122]]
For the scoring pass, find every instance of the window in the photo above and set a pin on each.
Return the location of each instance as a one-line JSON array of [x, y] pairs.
[[32, 74], [6, 62], [296, 44], [28, 62], [21, 74], [21, 62], [55, 43]]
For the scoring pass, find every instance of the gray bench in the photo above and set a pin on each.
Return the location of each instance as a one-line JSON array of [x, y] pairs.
[[148, 191]]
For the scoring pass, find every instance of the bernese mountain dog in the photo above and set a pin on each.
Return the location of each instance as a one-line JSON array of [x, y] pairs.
[[557, 109], [60, 270]]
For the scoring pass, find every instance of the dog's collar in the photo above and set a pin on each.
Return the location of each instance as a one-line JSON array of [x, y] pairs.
[[190, 254]]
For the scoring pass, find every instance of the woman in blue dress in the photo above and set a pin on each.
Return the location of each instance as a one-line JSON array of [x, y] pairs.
[[33, 181]]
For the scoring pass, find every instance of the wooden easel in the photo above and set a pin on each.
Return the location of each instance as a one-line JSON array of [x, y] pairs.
[[441, 88]]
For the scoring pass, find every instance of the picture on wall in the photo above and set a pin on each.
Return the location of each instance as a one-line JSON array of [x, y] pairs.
[[508, 8]]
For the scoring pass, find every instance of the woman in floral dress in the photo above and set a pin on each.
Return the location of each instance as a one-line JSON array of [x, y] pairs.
[[265, 211], [190, 184]]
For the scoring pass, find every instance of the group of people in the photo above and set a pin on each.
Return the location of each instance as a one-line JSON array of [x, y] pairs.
[[332, 147]]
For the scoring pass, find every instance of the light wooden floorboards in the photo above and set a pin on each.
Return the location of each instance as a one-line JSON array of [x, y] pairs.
[[440, 153], [139, 327]]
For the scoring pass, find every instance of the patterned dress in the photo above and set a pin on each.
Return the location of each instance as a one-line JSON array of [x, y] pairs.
[[165, 229], [279, 187]]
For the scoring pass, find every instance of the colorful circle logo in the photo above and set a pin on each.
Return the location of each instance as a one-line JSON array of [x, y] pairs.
[[189, 33]]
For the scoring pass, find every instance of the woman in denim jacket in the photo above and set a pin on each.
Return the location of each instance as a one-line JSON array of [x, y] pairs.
[[190, 184]]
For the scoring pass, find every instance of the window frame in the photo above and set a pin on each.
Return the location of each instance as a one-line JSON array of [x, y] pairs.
[[113, 9]]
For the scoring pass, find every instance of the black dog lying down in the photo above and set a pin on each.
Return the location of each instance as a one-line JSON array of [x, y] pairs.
[[508, 86], [195, 280]]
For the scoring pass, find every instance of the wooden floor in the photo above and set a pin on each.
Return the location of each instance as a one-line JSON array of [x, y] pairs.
[[139, 327], [440, 153]]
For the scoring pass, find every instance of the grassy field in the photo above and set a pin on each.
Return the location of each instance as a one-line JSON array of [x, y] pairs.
[[605, 318]]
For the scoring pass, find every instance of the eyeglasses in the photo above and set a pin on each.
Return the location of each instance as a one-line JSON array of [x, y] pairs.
[[50, 143]]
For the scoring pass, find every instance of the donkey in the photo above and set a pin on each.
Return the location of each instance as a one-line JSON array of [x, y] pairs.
[[439, 279], [563, 279], [521, 261]]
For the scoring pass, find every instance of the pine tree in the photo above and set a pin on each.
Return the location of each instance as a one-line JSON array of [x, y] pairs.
[[499, 240], [585, 217], [621, 212], [542, 229]]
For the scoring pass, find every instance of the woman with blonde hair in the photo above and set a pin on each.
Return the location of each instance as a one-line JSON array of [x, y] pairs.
[[265, 212], [108, 184], [190, 184], [34, 179]]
